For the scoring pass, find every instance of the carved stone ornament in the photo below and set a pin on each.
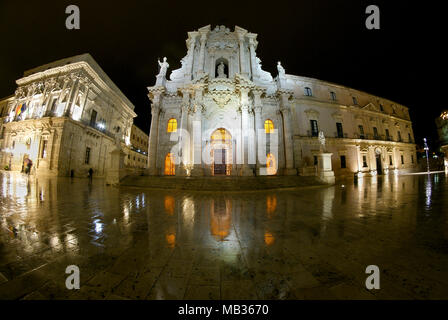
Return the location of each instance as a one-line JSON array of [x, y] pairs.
[[221, 100]]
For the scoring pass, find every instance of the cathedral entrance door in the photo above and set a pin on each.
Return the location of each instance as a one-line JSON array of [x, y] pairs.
[[219, 165], [221, 145]]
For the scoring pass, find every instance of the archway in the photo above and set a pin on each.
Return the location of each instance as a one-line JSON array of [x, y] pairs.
[[221, 149]]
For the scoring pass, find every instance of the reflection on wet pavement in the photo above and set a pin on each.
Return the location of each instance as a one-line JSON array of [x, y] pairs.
[[313, 243]]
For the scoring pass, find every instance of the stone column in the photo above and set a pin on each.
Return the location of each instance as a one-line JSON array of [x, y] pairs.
[[72, 95], [258, 124], [153, 134], [253, 62], [87, 85], [245, 169], [287, 134], [243, 70], [49, 85], [184, 141], [191, 50], [196, 160], [202, 53]]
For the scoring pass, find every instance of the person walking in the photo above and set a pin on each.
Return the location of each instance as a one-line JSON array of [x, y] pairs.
[[90, 174]]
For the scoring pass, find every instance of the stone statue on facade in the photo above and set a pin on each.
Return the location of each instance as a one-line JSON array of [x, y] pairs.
[[322, 141], [163, 67], [221, 73], [281, 70]]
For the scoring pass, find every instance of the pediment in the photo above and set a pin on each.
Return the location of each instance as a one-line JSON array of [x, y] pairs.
[[311, 113], [371, 107]]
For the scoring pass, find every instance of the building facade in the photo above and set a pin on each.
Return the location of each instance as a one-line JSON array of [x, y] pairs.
[[137, 153], [222, 114], [66, 117], [442, 130]]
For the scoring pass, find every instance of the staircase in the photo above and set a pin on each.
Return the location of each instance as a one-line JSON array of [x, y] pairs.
[[220, 183]]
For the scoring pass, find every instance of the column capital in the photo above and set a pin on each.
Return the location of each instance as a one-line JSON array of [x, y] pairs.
[[155, 109], [203, 38], [252, 39], [245, 107]]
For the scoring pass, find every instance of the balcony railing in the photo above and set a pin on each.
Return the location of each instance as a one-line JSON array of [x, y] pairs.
[[340, 136], [365, 136], [96, 127]]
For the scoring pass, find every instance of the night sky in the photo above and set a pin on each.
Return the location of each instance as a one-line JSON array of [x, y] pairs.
[[403, 61]]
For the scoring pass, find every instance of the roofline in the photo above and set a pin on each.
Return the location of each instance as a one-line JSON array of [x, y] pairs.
[[344, 87]]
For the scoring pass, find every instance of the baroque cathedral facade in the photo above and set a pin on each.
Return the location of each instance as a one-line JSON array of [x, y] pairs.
[[222, 114]]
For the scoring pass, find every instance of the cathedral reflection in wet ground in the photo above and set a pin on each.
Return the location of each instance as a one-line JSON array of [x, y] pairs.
[[309, 243]]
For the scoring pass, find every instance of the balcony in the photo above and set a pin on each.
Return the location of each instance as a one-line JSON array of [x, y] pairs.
[[340, 136], [361, 136], [96, 127], [310, 133]]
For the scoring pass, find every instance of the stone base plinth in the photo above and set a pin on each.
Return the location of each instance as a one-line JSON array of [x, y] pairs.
[[246, 171], [289, 171], [325, 171], [181, 171], [326, 177], [197, 171]]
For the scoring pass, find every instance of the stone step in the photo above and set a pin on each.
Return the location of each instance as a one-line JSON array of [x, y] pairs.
[[220, 183]]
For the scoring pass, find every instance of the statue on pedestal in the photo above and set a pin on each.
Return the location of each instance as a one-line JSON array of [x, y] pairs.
[[322, 141], [281, 70], [163, 67]]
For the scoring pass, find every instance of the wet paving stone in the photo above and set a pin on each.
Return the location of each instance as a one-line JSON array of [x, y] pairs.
[[309, 243]]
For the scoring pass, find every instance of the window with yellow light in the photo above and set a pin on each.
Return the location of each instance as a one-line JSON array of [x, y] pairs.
[[268, 126], [172, 125]]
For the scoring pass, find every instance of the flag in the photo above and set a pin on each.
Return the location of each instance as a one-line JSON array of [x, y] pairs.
[[20, 109]]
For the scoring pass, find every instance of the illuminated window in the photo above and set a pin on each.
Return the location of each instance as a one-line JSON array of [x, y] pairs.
[[169, 164], [268, 126], [172, 125], [271, 165], [221, 134]]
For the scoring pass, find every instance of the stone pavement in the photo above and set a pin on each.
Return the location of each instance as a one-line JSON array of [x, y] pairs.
[[312, 243]]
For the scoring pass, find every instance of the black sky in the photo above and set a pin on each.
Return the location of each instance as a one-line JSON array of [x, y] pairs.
[[404, 61]]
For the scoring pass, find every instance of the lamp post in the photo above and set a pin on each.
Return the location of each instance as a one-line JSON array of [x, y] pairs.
[[426, 150]]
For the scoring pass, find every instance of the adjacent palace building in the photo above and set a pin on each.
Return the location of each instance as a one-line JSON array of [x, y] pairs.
[[222, 114], [67, 117]]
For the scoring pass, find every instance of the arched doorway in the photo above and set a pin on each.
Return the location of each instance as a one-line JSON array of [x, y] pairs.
[[221, 149], [169, 165]]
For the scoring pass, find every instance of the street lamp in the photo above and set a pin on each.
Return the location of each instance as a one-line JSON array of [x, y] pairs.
[[426, 150]]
